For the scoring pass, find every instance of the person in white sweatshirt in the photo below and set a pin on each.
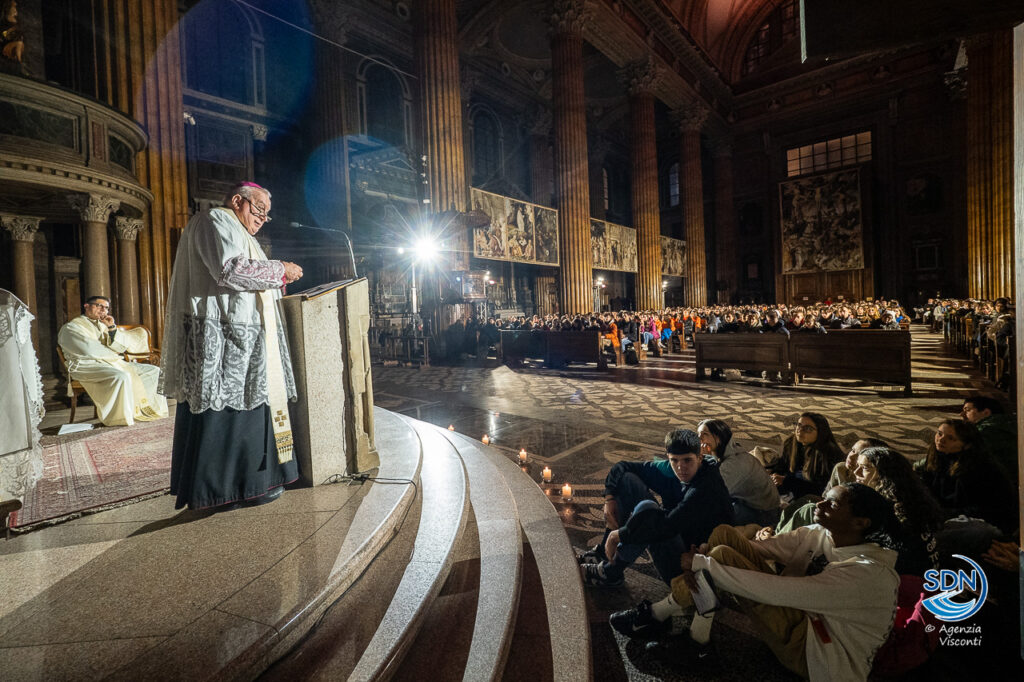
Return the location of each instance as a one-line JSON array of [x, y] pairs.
[[824, 609]]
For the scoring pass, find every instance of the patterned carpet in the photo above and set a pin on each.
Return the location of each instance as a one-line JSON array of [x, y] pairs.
[[94, 470], [580, 421]]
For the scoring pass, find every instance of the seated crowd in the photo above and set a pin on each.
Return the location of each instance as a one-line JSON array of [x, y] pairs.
[[818, 548], [982, 329], [677, 325]]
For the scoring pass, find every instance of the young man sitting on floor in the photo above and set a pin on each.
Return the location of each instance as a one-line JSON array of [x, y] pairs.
[[694, 501], [826, 612]]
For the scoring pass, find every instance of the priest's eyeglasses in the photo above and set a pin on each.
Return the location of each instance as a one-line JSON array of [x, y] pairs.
[[258, 211]]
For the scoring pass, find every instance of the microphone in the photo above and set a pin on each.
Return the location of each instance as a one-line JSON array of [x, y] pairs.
[[348, 241]]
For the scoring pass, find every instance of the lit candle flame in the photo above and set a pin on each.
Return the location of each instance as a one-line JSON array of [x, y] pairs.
[[486, 439]]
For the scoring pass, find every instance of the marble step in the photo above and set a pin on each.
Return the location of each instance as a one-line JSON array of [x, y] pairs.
[[444, 496], [564, 625]]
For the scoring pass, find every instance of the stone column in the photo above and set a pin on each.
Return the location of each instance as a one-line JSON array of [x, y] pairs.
[[572, 193], [127, 270], [641, 79], [95, 210], [727, 263], [437, 66], [146, 44], [990, 238], [691, 186], [330, 124], [23, 234]]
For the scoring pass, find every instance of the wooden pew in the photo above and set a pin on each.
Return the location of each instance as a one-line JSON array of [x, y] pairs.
[[868, 354], [557, 349], [754, 352]]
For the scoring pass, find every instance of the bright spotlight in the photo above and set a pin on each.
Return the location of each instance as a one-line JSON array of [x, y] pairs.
[[426, 249], [401, 250]]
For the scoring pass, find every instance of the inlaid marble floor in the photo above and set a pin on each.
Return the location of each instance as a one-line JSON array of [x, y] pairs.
[[579, 422]]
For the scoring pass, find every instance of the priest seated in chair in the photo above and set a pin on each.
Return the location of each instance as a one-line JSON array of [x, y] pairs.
[[93, 349]]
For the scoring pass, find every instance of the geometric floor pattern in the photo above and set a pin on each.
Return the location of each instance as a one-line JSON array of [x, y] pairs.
[[579, 422]]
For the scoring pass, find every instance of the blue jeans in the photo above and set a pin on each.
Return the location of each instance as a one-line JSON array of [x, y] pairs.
[[633, 496], [646, 336]]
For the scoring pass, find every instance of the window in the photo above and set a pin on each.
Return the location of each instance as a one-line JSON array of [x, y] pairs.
[[837, 152], [213, 65], [486, 149], [673, 184], [779, 28]]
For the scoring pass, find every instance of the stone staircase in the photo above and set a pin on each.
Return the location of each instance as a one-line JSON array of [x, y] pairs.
[[444, 599]]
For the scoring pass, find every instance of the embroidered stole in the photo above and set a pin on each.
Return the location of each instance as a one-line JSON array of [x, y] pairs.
[[276, 390]]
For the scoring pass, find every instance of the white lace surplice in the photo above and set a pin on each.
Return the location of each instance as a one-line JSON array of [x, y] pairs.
[[21, 400]]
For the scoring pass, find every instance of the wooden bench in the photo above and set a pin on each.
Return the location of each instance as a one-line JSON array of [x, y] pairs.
[[751, 352], [557, 349], [869, 354]]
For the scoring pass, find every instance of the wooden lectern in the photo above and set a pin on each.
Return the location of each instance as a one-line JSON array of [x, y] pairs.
[[332, 422]]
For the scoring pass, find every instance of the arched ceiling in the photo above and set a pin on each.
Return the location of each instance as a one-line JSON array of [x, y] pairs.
[[518, 32]]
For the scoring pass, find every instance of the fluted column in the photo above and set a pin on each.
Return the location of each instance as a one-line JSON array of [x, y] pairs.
[[437, 64], [641, 80], [146, 49], [23, 234], [725, 220], [572, 194], [127, 269], [94, 210], [990, 239], [691, 186]]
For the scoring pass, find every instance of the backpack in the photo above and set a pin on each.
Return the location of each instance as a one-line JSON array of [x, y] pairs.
[[914, 635], [631, 357]]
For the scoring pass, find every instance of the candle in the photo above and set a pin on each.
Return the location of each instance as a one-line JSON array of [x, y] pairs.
[[486, 439], [567, 491], [522, 455], [451, 427], [546, 474]]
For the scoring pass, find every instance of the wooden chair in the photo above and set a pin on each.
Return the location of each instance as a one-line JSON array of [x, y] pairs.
[[75, 388], [148, 357]]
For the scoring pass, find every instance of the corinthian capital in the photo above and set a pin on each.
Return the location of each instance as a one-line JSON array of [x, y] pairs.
[[93, 208], [127, 228], [22, 228], [569, 16], [641, 77], [691, 117]]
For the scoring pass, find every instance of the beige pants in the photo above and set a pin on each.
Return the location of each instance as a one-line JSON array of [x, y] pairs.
[[782, 628]]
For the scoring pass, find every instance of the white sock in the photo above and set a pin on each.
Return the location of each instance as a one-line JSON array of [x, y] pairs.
[[700, 628], [665, 609]]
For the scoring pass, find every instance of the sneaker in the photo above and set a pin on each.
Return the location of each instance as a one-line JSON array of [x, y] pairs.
[[594, 555], [639, 622], [594, 575], [683, 650]]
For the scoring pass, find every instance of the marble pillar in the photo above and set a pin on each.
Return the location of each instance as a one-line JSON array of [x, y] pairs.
[[641, 80], [146, 58], [572, 193], [691, 185], [23, 234], [726, 248], [95, 211], [990, 237], [437, 65], [127, 270], [330, 124]]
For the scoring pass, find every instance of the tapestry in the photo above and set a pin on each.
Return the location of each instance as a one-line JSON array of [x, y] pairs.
[[673, 256], [99, 469], [518, 231], [821, 223], [613, 246]]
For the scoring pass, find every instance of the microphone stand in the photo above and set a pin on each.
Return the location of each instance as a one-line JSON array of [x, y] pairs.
[[348, 242]]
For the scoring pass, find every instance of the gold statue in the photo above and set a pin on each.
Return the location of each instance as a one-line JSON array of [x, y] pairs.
[[12, 40]]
